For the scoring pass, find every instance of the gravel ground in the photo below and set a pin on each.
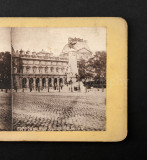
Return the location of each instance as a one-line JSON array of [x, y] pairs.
[[59, 111], [5, 111]]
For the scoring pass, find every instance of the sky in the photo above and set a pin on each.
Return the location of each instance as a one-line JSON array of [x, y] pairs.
[[51, 39], [5, 39]]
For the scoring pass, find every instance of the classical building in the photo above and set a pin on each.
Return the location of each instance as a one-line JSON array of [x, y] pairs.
[[42, 70]]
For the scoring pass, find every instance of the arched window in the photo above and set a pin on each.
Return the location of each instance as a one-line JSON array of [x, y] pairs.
[[46, 69], [24, 81], [40, 69], [43, 82], [34, 69], [28, 68]]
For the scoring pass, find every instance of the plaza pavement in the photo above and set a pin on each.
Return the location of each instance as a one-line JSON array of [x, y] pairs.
[[56, 111], [5, 111]]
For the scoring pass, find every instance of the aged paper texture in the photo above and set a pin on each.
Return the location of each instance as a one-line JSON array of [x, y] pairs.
[[63, 79]]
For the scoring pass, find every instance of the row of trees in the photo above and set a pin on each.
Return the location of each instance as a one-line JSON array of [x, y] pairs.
[[94, 69], [5, 70]]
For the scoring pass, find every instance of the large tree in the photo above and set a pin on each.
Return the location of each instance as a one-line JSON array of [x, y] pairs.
[[100, 65], [5, 70], [85, 70], [94, 68]]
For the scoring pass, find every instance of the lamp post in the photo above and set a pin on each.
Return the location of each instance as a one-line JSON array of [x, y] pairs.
[[78, 79]]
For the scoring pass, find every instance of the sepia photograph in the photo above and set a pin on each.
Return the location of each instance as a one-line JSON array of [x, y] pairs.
[[5, 80], [53, 79]]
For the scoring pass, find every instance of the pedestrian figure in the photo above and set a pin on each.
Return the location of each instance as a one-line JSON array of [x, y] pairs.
[[30, 89]]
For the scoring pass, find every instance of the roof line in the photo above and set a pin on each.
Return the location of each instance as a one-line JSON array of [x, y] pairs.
[[84, 48]]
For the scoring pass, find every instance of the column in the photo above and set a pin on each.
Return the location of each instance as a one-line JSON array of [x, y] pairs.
[[63, 81], [52, 82], [58, 86], [37, 70], [46, 82], [27, 84], [40, 83], [20, 82]]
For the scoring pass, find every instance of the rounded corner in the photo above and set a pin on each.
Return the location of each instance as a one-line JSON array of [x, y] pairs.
[[124, 21], [123, 138]]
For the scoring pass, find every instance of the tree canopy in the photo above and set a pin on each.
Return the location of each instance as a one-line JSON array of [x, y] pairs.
[[5, 70], [94, 68]]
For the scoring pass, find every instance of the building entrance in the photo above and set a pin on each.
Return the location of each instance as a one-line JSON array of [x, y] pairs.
[[24, 81], [55, 83], [31, 84], [37, 83]]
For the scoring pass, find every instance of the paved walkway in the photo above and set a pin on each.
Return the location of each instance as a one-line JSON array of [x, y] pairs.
[[59, 111]]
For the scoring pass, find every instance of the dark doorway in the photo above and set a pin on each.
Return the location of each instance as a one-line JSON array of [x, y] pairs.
[[43, 83], [61, 80], [61, 83], [50, 82], [55, 83], [37, 82], [24, 81], [31, 84]]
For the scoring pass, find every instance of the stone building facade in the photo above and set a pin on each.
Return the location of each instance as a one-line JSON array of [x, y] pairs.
[[36, 71]]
